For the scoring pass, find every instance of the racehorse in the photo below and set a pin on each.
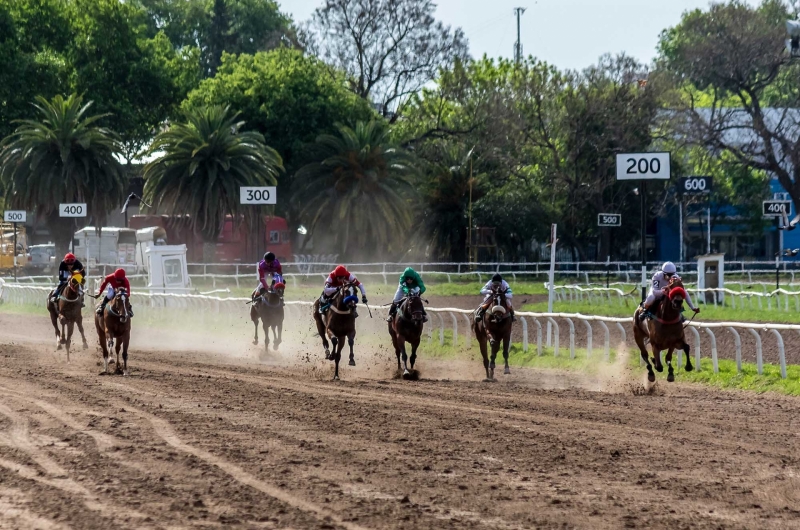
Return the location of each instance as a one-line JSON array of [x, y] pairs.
[[664, 332], [267, 306], [337, 323], [406, 326], [115, 323], [494, 326], [66, 311]]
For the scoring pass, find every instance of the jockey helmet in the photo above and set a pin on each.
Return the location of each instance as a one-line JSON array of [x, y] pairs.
[[340, 272], [269, 257], [119, 274], [497, 278], [69, 258], [668, 268]]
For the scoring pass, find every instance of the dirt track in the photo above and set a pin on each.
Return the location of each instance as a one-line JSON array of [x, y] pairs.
[[215, 438]]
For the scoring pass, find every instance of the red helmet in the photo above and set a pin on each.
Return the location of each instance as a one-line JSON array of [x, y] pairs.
[[69, 258], [119, 274], [340, 272]]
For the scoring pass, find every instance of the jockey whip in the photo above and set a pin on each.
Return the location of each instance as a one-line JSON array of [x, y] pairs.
[[690, 321], [368, 309], [92, 295]]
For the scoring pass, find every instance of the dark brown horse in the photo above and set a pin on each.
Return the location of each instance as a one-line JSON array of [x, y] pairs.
[[494, 326], [664, 332], [65, 310], [406, 326], [115, 324], [338, 323], [267, 306]]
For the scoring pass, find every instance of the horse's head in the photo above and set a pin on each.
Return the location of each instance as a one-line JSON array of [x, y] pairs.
[[119, 304], [677, 294], [415, 307], [279, 288], [74, 284], [347, 297]]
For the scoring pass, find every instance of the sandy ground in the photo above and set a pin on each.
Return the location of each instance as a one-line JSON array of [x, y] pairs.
[[204, 434]]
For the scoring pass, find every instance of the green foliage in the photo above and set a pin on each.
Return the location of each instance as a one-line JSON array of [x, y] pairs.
[[201, 164], [355, 194], [288, 97], [62, 156]]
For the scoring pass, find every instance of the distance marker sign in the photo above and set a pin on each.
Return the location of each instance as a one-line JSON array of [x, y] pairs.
[[643, 166], [609, 219], [777, 208], [695, 185], [72, 209], [257, 195], [15, 216]]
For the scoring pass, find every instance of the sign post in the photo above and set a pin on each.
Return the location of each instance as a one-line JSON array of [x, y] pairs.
[[777, 208], [551, 278], [14, 217], [74, 210], [643, 167], [696, 185]]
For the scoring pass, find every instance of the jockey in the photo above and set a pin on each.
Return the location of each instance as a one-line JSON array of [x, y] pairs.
[[658, 286], [269, 266], [410, 282], [338, 278], [496, 283], [69, 266], [110, 284]]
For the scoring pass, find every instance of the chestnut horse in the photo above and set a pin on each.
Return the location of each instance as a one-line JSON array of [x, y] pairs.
[[494, 327], [66, 311], [115, 323], [338, 323], [268, 308], [406, 326], [664, 332]]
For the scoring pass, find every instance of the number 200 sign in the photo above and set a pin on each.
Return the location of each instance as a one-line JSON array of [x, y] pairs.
[[643, 166], [72, 209], [257, 195]]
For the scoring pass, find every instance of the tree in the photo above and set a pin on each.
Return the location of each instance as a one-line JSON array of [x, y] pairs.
[[736, 88], [200, 165], [389, 48], [355, 195], [62, 156]]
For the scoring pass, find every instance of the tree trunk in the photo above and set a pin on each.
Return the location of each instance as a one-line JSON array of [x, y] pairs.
[[62, 231]]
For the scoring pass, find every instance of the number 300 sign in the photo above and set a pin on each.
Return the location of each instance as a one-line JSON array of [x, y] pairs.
[[257, 195], [643, 166]]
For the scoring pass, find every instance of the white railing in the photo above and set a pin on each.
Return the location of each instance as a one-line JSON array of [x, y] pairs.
[[208, 308]]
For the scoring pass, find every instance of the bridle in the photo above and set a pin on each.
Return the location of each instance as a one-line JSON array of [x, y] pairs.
[[340, 292], [405, 305], [120, 296]]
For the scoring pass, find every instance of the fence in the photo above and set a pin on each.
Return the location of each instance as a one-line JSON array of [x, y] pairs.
[[164, 307]]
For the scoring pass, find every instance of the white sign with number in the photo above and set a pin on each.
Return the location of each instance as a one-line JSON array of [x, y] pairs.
[[643, 166], [15, 216], [257, 195], [609, 219], [72, 209], [777, 208]]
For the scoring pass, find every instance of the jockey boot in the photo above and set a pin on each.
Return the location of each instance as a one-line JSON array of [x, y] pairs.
[[513, 317], [424, 316], [479, 314], [392, 312], [323, 303], [102, 306], [644, 313], [130, 310]]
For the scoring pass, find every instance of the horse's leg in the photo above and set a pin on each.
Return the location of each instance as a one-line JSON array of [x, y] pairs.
[[322, 333], [125, 341], [337, 356], [54, 320], [266, 334], [482, 343], [63, 332], [254, 318], [117, 348], [495, 347], [70, 331], [331, 355], [351, 339], [414, 345], [79, 322], [402, 340], [687, 350], [670, 371], [395, 345], [657, 358], [506, 345], [639, 336]]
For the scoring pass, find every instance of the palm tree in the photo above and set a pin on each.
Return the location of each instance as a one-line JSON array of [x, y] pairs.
[[62, 156], [200, 166], [356, 192]]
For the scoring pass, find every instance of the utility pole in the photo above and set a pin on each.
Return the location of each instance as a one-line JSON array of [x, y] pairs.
[[518, 45]]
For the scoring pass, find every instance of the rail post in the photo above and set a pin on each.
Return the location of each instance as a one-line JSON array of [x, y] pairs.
[[524, 334], [781, 352], [538, 337], [468, 332], [455, 329], [571, 338], [714, 359], [759, 351], [696, 346], [606, 341], [588, 338], [554, 325], [738, 340]]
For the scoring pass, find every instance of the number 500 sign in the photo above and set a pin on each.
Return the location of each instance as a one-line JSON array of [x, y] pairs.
[[643, 166], [257, 195]]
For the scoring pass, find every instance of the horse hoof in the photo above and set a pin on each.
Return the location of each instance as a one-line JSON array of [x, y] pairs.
[[126, 373], [335, 377], [327, 355], [507, 371], [689, 367], [659, 369], [85, 346], [352, 362], [59, 346], [489, 380], [651, 377], [255, 343], [671, 378]]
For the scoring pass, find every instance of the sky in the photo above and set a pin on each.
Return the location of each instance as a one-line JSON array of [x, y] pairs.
[[570, 34]]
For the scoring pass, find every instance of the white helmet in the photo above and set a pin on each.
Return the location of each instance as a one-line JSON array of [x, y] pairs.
[[669, 268]]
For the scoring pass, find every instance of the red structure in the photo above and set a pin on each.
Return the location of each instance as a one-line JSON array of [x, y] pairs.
[[234, 245]]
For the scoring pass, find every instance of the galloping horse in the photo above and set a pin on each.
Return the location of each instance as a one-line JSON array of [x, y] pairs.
[[66, 310], [665, 332], [337, 323], [115, 323], [267, 306], [406, 326], [494, 327]]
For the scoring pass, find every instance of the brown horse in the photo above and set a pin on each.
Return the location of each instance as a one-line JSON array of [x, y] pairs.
[[338, 322], [115, 323], [664, 332], [65, 310], [406, 326], [267, 306], [494, 326]]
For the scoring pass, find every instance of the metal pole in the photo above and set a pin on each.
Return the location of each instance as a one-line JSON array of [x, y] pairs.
[[518, 45], [15, 251], [469, 245], [644, 240], [551, 290], [778, 271], [680, 227], [708, 244]]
